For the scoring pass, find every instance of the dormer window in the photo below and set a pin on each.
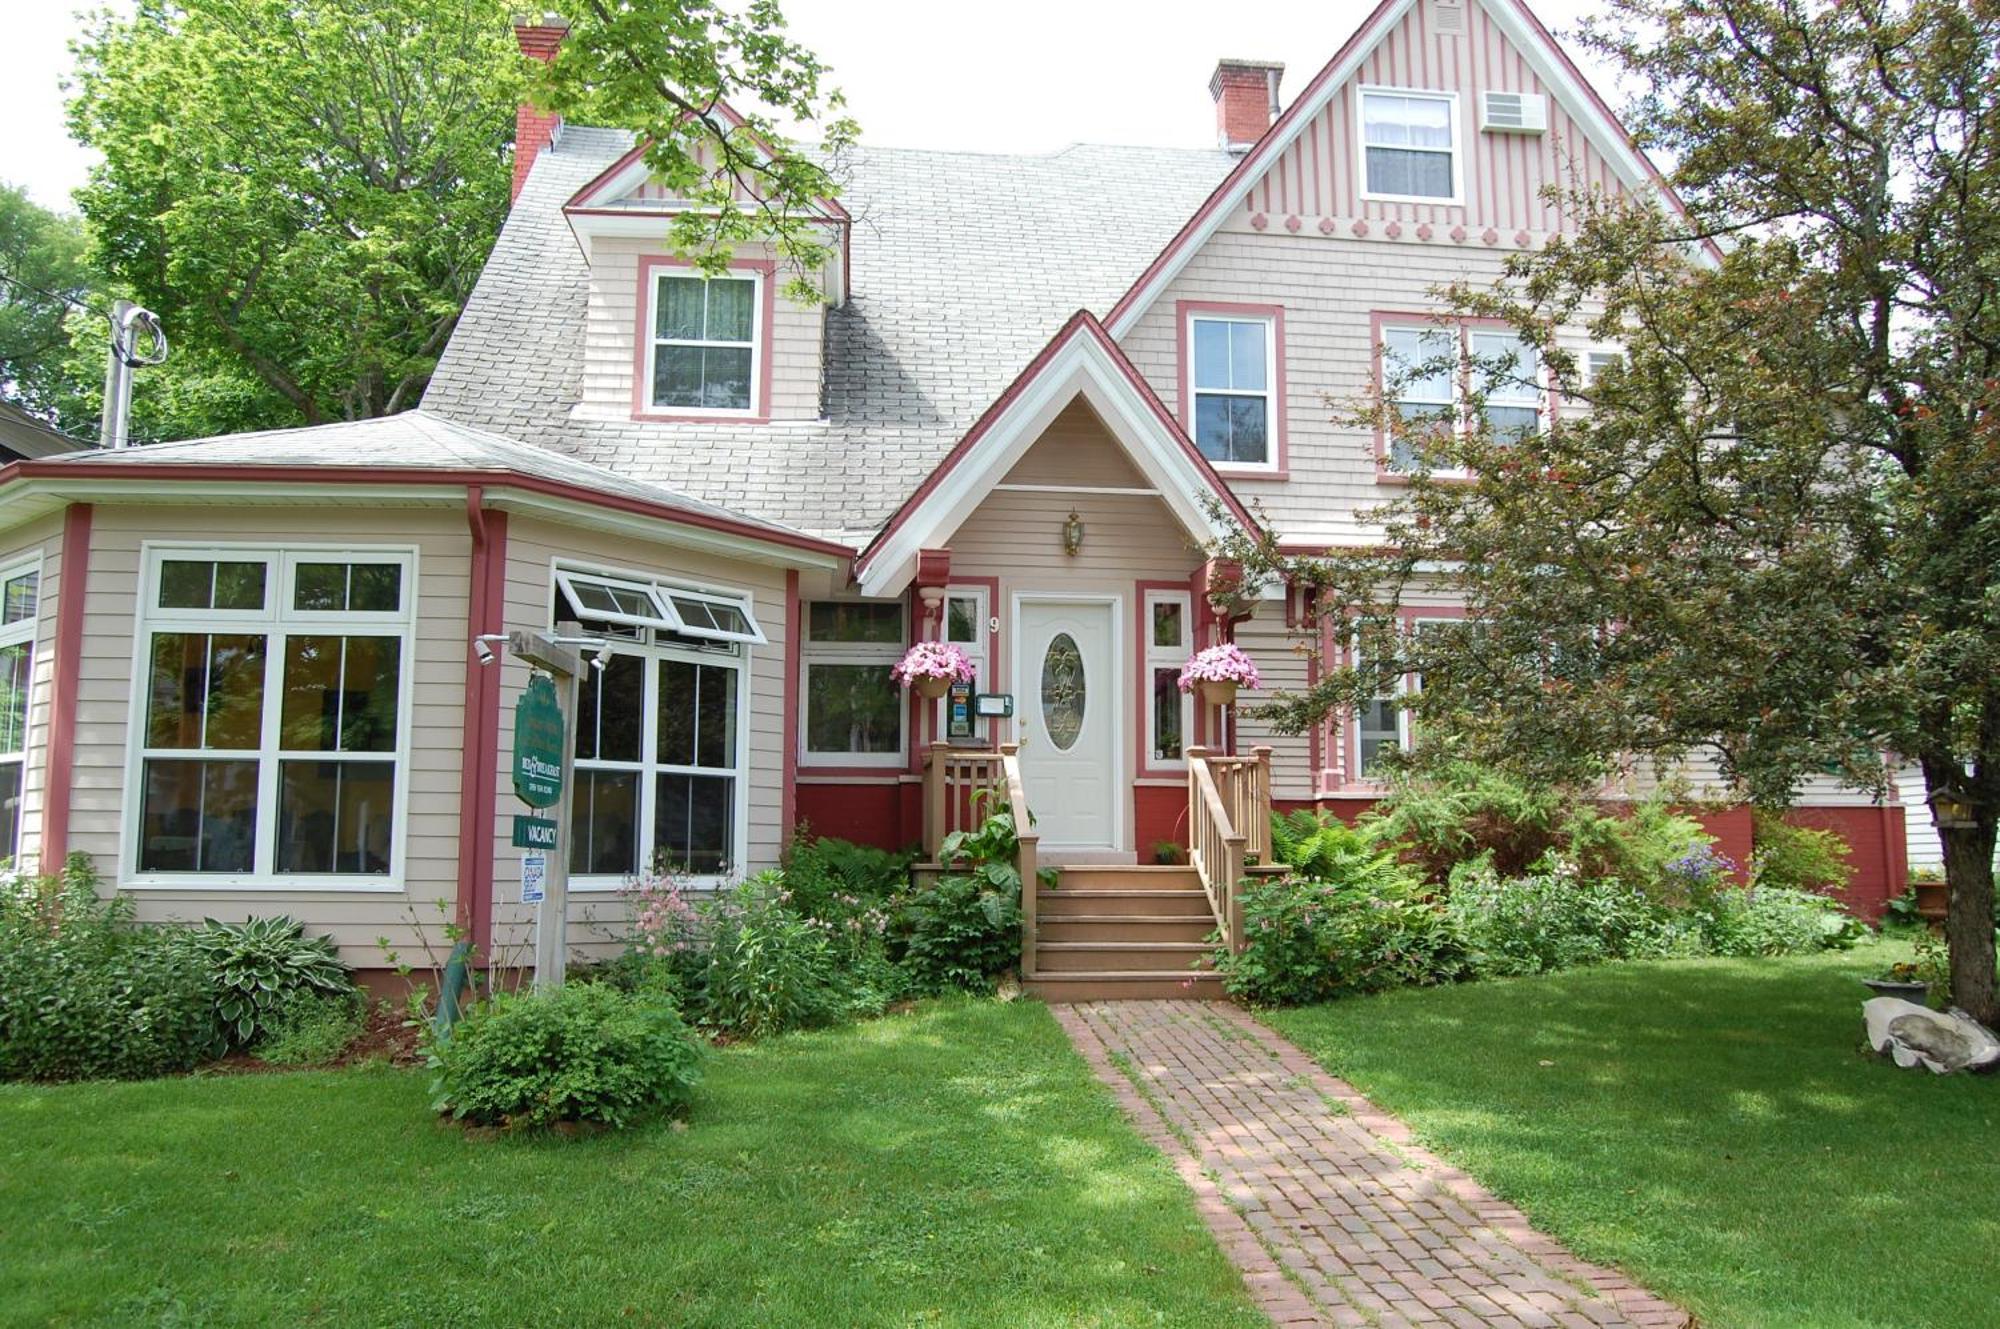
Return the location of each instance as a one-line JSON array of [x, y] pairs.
[[1409, 143], [703, 357]]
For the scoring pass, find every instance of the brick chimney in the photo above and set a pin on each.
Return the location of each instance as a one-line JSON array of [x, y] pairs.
[[1246, 100], [539, 36]]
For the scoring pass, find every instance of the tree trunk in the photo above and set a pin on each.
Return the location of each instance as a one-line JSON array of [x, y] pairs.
[[1968, 927]]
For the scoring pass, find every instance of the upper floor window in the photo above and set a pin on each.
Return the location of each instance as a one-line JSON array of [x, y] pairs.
[[1409, 143], [703, 353], [272, 716], [1430, 375], [19, 590], [1232, 372]]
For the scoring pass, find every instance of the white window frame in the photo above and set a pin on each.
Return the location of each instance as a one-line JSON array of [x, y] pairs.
[[1459, 406], [662, 595], [26, 632], [1268, 394], [1591, 354], [1166, 657], [1456, 151], [975, 650], [758, 333], [849, 653], [276, 622], [1535, 396]]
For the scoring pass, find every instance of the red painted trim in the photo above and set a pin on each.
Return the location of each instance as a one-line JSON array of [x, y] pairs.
[[991, 585], [479, 783], [493, 480], [1081, 323], [73, 585], [1184, 311], [642, 340], [788, 800]]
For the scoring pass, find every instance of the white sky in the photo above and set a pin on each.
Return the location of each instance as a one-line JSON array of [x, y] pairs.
[[1027, 76]]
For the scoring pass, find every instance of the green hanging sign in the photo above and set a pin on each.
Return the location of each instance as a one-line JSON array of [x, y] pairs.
[[538, 744]]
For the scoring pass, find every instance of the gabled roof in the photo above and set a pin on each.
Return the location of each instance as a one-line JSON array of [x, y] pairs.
[[1080, 360], [964, 265], [1536, 46], [22, 435], [415, 448]]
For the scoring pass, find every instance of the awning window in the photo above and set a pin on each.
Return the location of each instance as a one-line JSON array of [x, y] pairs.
[[702, 614]]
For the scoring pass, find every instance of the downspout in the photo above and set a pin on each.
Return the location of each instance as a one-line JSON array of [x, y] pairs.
[[73, 583], [479, 761]]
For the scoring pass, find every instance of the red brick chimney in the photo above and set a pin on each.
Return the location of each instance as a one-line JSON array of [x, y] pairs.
[[534, 130], [1246, 100]]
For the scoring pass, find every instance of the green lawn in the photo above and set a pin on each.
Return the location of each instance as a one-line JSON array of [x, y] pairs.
[[1712, 1126], [952, 1166]]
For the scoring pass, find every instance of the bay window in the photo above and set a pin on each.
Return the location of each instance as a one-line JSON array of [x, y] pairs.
[[661, 759], [19, 604], [852, 712], [271, 717]]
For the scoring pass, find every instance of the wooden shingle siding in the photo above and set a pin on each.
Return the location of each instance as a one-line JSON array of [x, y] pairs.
[[1283, 666]]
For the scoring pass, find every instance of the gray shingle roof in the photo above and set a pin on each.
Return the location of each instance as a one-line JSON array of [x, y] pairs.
[[964, 265], [419, 440]]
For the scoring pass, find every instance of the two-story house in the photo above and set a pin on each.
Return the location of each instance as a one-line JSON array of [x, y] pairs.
[[243, 668]]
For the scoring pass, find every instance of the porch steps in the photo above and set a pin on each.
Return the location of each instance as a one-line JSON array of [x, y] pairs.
[[1109, 932]]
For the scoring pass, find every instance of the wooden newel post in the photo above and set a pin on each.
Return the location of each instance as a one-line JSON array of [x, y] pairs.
[[1027, 856], [542, 651], [934, 795]]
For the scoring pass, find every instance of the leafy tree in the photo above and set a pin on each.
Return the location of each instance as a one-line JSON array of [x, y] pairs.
[[1773, 530], [303, 188], [42, 269], [672, 71]]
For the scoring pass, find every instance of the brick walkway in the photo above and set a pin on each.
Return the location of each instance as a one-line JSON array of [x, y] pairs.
[[1335, 1216]]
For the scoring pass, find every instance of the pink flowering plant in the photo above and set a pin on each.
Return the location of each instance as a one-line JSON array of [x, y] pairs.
[[933, 659], [1221, 664]]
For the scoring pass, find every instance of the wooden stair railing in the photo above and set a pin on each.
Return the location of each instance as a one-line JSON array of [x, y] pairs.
[[954, 779], [1229, 826]]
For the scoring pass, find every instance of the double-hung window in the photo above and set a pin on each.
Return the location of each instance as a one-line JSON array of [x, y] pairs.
[[271, 718], [702, 356], [19, 601], [1409, 144], [1169, 711], [1428, 376], [965, 627], [1232, 375], [661, 762], [853, 711]]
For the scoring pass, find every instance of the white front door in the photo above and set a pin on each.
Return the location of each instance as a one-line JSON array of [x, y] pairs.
[[1068, 709]]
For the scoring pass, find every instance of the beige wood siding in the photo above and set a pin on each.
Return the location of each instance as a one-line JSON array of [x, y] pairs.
[[105, 690], [1281, 660], [611, 322], [598, 917]]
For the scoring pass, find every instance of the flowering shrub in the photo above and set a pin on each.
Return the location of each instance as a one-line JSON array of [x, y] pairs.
[[1221, 664], [933, 659]]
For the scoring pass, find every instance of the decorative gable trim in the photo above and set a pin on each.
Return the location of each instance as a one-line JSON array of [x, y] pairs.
[[1081, 360], [1536, 46]]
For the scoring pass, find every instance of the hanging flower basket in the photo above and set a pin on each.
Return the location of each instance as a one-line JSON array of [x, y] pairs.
[[931, 667], [1218, 672]]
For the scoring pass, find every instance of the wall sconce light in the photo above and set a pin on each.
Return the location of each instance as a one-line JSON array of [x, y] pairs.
[[1073, 534]]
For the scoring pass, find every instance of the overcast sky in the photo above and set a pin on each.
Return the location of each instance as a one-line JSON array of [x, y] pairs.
[[1023, 76]]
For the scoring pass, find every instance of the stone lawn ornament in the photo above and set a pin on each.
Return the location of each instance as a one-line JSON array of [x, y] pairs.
[[1943, 1041]]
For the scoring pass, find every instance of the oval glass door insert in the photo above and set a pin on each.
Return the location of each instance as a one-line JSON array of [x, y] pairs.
[[1063, 691]]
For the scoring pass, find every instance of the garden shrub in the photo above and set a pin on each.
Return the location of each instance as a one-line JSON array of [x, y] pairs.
[[1320, 846], [256, 964], [311, 1028], [1373, 927], [1553, 918], [1459, 811], [832, 879], [583, 1052], [1770, 920], [768, 968], [87, 994], [1797, 858], [1636, 845], [959, 931]]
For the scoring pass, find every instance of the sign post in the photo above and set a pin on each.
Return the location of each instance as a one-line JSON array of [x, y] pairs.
[[544, 776]]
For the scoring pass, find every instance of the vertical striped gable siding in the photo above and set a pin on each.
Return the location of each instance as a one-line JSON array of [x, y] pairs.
[[1318, 180]]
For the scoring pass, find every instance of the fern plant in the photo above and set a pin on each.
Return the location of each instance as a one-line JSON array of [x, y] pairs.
[[1321, 847], [255, 965]]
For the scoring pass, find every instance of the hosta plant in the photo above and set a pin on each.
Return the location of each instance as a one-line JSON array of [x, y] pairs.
[[254, 965]]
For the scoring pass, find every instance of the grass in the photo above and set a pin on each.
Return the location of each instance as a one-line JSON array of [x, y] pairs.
[[953, 1166], [1715, 1127]]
